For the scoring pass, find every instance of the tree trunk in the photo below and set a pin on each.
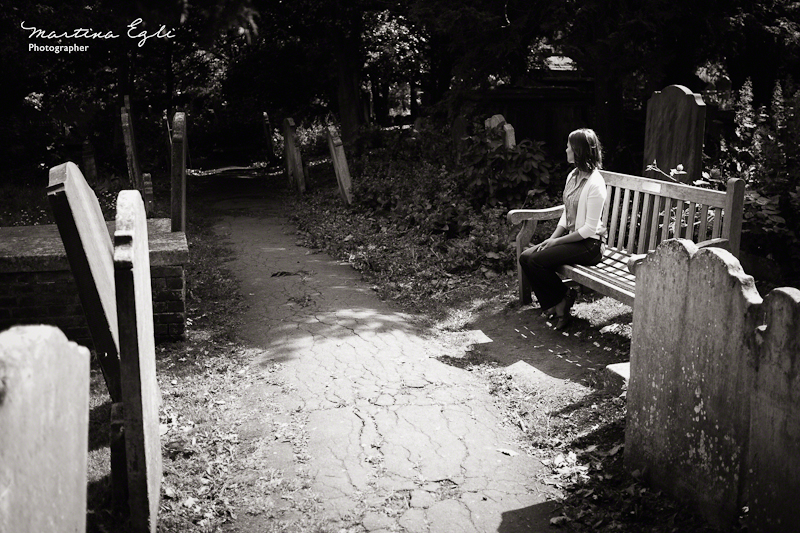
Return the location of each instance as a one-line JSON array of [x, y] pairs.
[[348, 70]]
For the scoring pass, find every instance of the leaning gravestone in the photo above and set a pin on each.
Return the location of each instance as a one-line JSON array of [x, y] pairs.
[[691, 374], [178, 199], [90, 254], [294, 162], [44, 423], [134, 172], [140, 392], [674, 133], [340, 165]]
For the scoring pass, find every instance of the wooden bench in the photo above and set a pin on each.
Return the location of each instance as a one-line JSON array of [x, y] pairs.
[[640, 213]]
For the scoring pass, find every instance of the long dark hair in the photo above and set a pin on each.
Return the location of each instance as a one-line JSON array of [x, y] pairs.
[[587, 149]]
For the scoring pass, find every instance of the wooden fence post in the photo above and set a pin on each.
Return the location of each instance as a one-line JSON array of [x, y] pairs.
[[140, 392], [674, 132], [44, 424], [294, 162], [692, 367], [178, 200], [340, 165]]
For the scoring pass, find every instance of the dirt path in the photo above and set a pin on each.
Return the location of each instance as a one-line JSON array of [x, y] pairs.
[[355, 412]]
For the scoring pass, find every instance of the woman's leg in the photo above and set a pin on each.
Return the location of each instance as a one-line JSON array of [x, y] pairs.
[[539, 268]]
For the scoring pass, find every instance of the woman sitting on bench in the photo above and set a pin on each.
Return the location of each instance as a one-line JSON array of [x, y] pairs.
[[577, 240]]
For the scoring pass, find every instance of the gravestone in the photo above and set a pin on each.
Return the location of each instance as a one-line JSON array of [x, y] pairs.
[[89, 164], [691, 370], [268, 138], [509, 139], [294, 162], [90, 253], [340, 165], [91, 258], [178, 172], [140, 391], [147, 193], [44, 424], [674, 133], [494, 121], [134, 172], [773, 482]]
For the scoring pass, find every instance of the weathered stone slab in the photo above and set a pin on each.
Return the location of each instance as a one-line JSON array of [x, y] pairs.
[[147, 193], [294, 162], [178, 199], [340, 165], [494, 121], [90, 254], [692, 364], [140, 392], [89, 164], [134, 172], [509, 138], [676, 121], [44, 422], [773, 486]]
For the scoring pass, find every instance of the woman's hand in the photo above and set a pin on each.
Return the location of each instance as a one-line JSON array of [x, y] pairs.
[[545, 244]]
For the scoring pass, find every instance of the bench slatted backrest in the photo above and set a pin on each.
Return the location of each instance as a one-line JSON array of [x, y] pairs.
[[641, 212]]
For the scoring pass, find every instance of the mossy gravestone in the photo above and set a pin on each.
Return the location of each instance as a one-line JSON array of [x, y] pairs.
[[691, 375], [340, 165], [178, 200], [44, 424]]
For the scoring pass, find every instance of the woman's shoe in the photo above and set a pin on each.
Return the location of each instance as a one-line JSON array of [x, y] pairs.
[[565, 317]]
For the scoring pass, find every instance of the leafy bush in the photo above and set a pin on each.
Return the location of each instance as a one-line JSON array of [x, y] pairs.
[[496, 175], [764, 152]]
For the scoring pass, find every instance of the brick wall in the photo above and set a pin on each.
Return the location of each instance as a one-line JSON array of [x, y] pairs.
[[37, 287]]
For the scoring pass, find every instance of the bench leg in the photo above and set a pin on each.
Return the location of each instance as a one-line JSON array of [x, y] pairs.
[[523, 238]]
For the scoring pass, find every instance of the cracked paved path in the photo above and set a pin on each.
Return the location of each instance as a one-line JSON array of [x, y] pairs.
[[394, 439]]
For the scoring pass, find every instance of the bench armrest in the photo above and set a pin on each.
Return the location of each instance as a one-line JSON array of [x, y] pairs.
[[515, 216], [634, 261], [725, 244]]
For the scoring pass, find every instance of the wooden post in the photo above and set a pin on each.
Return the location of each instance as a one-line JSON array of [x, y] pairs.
[[294, 162], [44, 424], [692, 376], [340, 165], [178, 202], [137, 360], [674, 133]]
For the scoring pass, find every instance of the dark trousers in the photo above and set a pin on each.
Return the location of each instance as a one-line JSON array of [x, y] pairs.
[[539, 267]]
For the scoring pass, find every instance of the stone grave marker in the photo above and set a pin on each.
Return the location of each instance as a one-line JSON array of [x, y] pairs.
[[692, 367], [134, 172], [773, 483], [340, 165], [294, 162], [147, 193], [44, 424], [268, 138], [178, 199], [140, 391], [90, 253], [494, 121], [674, 133], [509, 139], [89, 164]]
